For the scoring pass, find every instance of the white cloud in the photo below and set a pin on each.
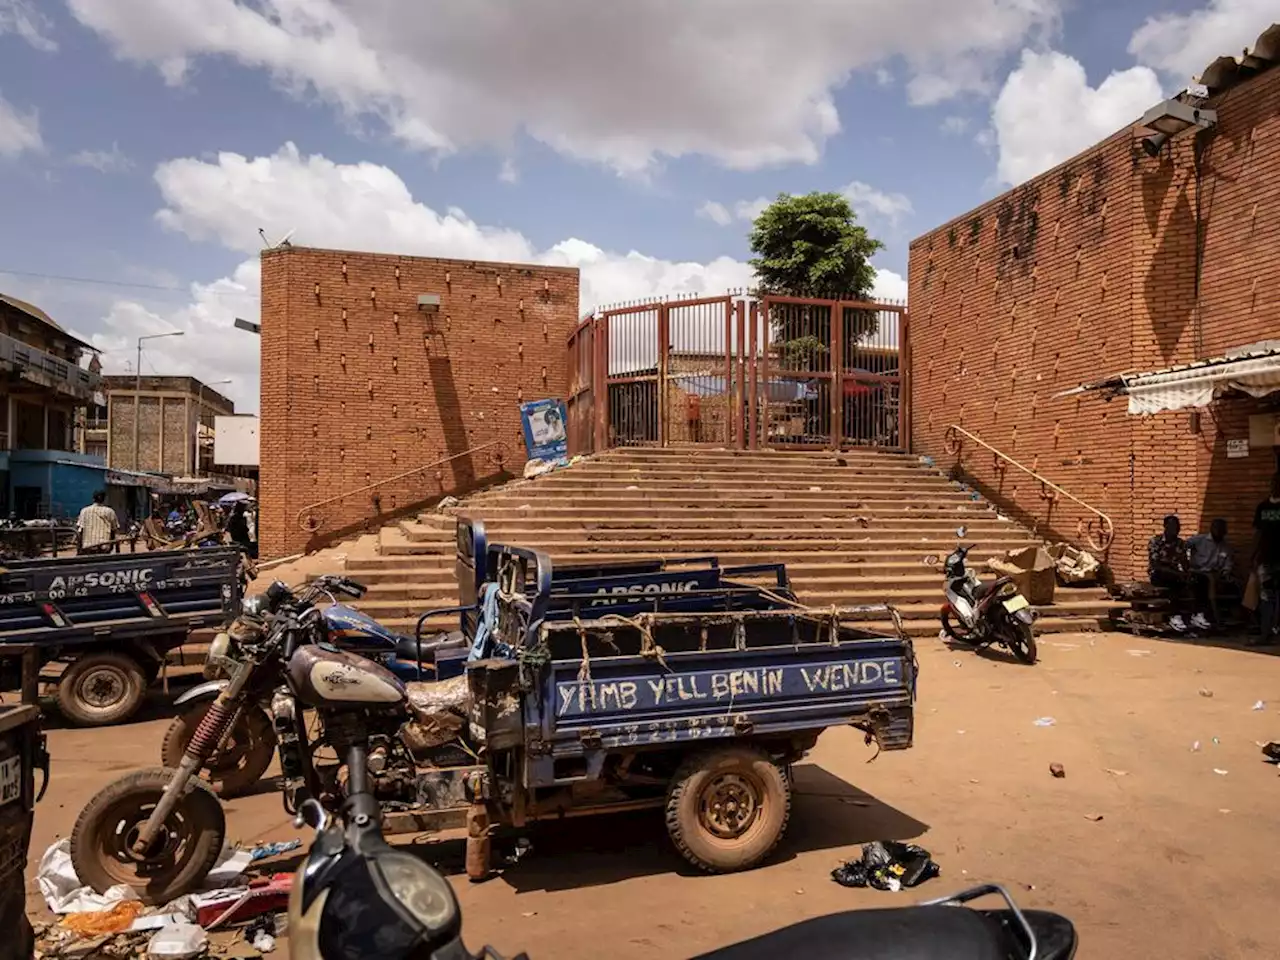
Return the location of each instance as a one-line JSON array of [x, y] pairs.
[[104, 161], [875, 206], [509, 172], [445, 77], [716, 213], [750, 209], [955, 125], [22, 18], [884, 77], [1180, 45], [354, 206], [1047, 112], [19, 131]]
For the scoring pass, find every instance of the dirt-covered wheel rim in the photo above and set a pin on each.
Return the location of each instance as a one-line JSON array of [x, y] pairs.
[[731, 805], [102, 688], [240, 761], [168, 854]]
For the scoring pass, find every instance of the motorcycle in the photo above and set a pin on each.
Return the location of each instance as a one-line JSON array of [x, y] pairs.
[[979, 614], [161, 830], [356, 897], [245, 752]]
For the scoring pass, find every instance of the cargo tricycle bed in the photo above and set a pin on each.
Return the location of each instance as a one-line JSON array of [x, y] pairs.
[[698, 713]]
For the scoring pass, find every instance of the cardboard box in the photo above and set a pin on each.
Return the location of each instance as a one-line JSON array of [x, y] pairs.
[[1032, 570]]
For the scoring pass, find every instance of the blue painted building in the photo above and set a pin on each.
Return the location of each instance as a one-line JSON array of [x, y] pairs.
[[43, 392]]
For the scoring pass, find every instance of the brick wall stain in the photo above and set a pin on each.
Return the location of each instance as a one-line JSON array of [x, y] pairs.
[[1090, 271], [359, 386]]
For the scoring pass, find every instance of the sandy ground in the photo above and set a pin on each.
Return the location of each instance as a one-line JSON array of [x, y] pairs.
[[1180, 864]]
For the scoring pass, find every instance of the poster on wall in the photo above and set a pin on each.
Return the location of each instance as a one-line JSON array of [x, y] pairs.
[[545, 437]]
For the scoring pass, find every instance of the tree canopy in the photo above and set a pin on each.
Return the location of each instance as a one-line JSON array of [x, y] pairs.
[[813, 245]]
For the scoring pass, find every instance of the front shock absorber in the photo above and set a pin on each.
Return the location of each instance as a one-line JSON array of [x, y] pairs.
[[284, 720], [211, 730]]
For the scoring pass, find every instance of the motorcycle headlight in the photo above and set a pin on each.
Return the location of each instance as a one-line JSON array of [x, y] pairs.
[[216, 659], [254, 606], [420, 890]]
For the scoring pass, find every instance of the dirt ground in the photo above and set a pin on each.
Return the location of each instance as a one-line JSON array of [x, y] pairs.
[[1152, 847]]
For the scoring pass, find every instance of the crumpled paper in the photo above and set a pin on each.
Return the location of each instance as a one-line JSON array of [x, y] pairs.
[[64, 893]]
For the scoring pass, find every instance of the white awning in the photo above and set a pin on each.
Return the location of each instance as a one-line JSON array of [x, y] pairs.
[[1256, 372]]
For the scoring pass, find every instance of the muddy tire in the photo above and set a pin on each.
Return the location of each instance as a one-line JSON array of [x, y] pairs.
[[245, 755], [100, 689], [728, 808], [184, 852], [1022, 641]]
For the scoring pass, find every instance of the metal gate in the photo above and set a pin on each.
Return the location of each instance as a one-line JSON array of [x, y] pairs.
[[740, 371]]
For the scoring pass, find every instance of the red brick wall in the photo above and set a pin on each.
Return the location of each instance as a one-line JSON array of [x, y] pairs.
[[359, 386], [1090, 271]]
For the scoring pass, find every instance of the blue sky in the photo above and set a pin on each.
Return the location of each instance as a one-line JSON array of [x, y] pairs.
[[144, 142]]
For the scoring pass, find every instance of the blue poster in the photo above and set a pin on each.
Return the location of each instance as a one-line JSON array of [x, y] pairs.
[[545, 437]]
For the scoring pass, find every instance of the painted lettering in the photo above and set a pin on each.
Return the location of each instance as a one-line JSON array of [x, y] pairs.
[[657, 686]]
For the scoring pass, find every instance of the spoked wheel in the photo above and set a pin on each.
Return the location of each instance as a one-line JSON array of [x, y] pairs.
[[243, 757], [183, 852], [1022, 641], [956, 630], [727, 809]]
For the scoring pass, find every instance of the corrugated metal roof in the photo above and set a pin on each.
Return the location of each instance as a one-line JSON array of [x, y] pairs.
[[1228, 71], [35, 313]]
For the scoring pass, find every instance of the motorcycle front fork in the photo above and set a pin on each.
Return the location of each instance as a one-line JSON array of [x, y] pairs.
[[209, 735]]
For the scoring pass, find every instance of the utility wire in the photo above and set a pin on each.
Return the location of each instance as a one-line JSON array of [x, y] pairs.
[[94, 281]]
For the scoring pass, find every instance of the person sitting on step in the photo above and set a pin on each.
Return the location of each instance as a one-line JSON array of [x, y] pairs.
[[1168, 567], [1212, 567]]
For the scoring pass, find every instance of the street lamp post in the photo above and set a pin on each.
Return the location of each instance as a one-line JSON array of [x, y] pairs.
[[195, 461], [137, 395]]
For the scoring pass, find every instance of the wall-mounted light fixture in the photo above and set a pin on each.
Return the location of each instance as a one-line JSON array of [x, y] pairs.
[[1170, 118], [429, 302]]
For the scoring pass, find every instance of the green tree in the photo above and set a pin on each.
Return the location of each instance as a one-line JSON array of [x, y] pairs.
[[813, 246]]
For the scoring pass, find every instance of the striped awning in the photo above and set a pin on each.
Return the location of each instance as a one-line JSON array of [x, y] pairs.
[[1256, 373]]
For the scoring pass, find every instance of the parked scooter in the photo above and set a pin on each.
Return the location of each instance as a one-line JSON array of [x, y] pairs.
[[979, 614], [356, 897], [246, 750]]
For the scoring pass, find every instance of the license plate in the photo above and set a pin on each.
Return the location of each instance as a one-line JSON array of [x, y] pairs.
[[10, 779], [1014, 604]]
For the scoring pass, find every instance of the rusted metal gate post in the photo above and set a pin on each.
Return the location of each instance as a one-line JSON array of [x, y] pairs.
[[765, 337], [739, 386], [600, 382], [904, 388], [837, 374], [664, 350], [728, 371], [753, 379]]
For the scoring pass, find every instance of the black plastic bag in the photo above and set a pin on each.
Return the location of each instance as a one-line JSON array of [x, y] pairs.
[[887, 865]]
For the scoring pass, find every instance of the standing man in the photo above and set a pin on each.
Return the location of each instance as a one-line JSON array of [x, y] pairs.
[[1167, 567], [1266, 560], [96, 526]]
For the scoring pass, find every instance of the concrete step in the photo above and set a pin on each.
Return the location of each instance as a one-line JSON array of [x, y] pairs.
[[795, 478], [588, 505], [705, 453], [531, 533]]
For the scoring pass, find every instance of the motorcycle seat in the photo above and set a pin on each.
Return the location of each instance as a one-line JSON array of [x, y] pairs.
[[910, 933], [982, 589], [407, 647]]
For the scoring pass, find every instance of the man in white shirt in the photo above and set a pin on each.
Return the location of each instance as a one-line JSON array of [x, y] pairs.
[[97, 526], [1211, 565]]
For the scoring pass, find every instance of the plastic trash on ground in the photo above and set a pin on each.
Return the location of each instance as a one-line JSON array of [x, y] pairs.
[[181, 941], [266, 850], [887, 865]]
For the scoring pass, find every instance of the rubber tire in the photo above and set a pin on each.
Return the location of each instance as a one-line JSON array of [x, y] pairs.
[[952, 630], [698, 845], [198, 801], [252, 724], [1022, 641], [84, 714]]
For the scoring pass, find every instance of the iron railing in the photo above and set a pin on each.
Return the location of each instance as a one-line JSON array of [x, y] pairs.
[[310, 520], [1098, 532], [47, 369]]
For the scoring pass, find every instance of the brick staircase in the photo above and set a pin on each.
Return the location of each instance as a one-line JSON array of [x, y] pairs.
[[853, 528]]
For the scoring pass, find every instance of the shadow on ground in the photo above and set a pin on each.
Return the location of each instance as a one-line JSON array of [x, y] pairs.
[[827, 813]]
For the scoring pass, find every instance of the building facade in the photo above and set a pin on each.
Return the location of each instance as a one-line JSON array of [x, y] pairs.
[[173, 433], [377, 366], [43, 393], [1114, 264]]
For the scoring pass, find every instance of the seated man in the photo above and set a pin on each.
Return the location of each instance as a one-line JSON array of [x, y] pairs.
[[1168, 568], [1212, 565]]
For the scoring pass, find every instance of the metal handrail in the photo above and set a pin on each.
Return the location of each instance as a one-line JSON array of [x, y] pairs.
[[1099, 532], [309, 521]]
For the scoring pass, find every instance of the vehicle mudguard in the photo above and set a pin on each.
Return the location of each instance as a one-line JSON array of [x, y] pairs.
[[208, 690]]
